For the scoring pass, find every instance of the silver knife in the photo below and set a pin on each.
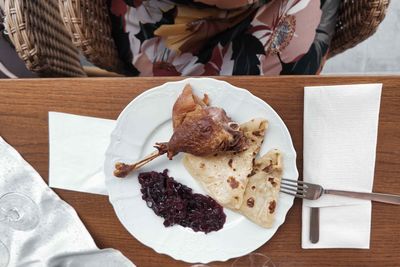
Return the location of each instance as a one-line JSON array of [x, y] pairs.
[[314, 225]]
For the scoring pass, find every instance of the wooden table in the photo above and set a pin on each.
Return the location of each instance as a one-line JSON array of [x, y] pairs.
[[24, 106]]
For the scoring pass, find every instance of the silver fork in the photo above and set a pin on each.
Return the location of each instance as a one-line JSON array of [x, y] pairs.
[[311, 191]]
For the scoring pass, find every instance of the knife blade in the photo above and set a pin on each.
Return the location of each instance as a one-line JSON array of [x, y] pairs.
[[314, 225]]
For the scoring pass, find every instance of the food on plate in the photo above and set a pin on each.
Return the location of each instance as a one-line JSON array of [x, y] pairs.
[[177, 204], [224, 176], [262, 191], [199, 129], [202, 130], [221, 155]]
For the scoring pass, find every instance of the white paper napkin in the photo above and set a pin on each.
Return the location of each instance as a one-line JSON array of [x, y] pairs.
[[340, 132], [77, 148], [60, 238]]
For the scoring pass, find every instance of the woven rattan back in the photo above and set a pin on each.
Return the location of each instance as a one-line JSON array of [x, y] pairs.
[[40, 38], [357, 20], [89, 24]]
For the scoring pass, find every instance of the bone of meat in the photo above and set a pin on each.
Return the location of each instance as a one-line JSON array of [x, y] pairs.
[[199, 129]]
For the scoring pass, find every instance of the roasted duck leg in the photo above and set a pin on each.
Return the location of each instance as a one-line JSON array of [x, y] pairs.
[[199, 130]]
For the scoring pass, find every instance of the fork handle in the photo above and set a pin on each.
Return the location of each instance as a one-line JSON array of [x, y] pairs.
[[378, 197]]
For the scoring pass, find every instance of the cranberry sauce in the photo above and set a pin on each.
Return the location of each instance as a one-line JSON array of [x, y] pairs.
[[177, 204]]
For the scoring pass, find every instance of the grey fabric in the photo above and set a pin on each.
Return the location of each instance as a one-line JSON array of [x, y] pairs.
[[93, 258], [2, 75], [10, 60], [55, 237]]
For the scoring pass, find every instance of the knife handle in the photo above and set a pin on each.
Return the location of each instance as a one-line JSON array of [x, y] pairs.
[[378, 197], [314, 225]]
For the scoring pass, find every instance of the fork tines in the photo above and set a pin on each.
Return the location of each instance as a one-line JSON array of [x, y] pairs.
[[293, 187]]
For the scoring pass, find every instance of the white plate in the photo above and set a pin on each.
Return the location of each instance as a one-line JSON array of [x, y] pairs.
[[146, 120]]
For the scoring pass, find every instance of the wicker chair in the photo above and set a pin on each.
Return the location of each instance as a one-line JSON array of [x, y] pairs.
[[357, 20], [40, 38], [87, 22], [89, 25]]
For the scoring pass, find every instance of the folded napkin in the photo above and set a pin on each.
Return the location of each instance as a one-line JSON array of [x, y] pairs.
[[340, 132], [59, 238], [77, 152]]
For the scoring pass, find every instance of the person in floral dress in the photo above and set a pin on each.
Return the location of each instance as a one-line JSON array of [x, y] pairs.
[[225, 37]]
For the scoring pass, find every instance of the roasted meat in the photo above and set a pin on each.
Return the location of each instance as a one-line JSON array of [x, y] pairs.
[[202, 130], [199, 129]]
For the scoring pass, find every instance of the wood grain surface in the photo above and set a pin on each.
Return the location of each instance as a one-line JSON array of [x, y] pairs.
[[24, 106]]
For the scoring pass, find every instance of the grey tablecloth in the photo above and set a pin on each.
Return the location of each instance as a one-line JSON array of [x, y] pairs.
[[60, 239]]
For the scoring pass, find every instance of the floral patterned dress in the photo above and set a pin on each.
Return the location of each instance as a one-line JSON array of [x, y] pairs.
[[222, 37]]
